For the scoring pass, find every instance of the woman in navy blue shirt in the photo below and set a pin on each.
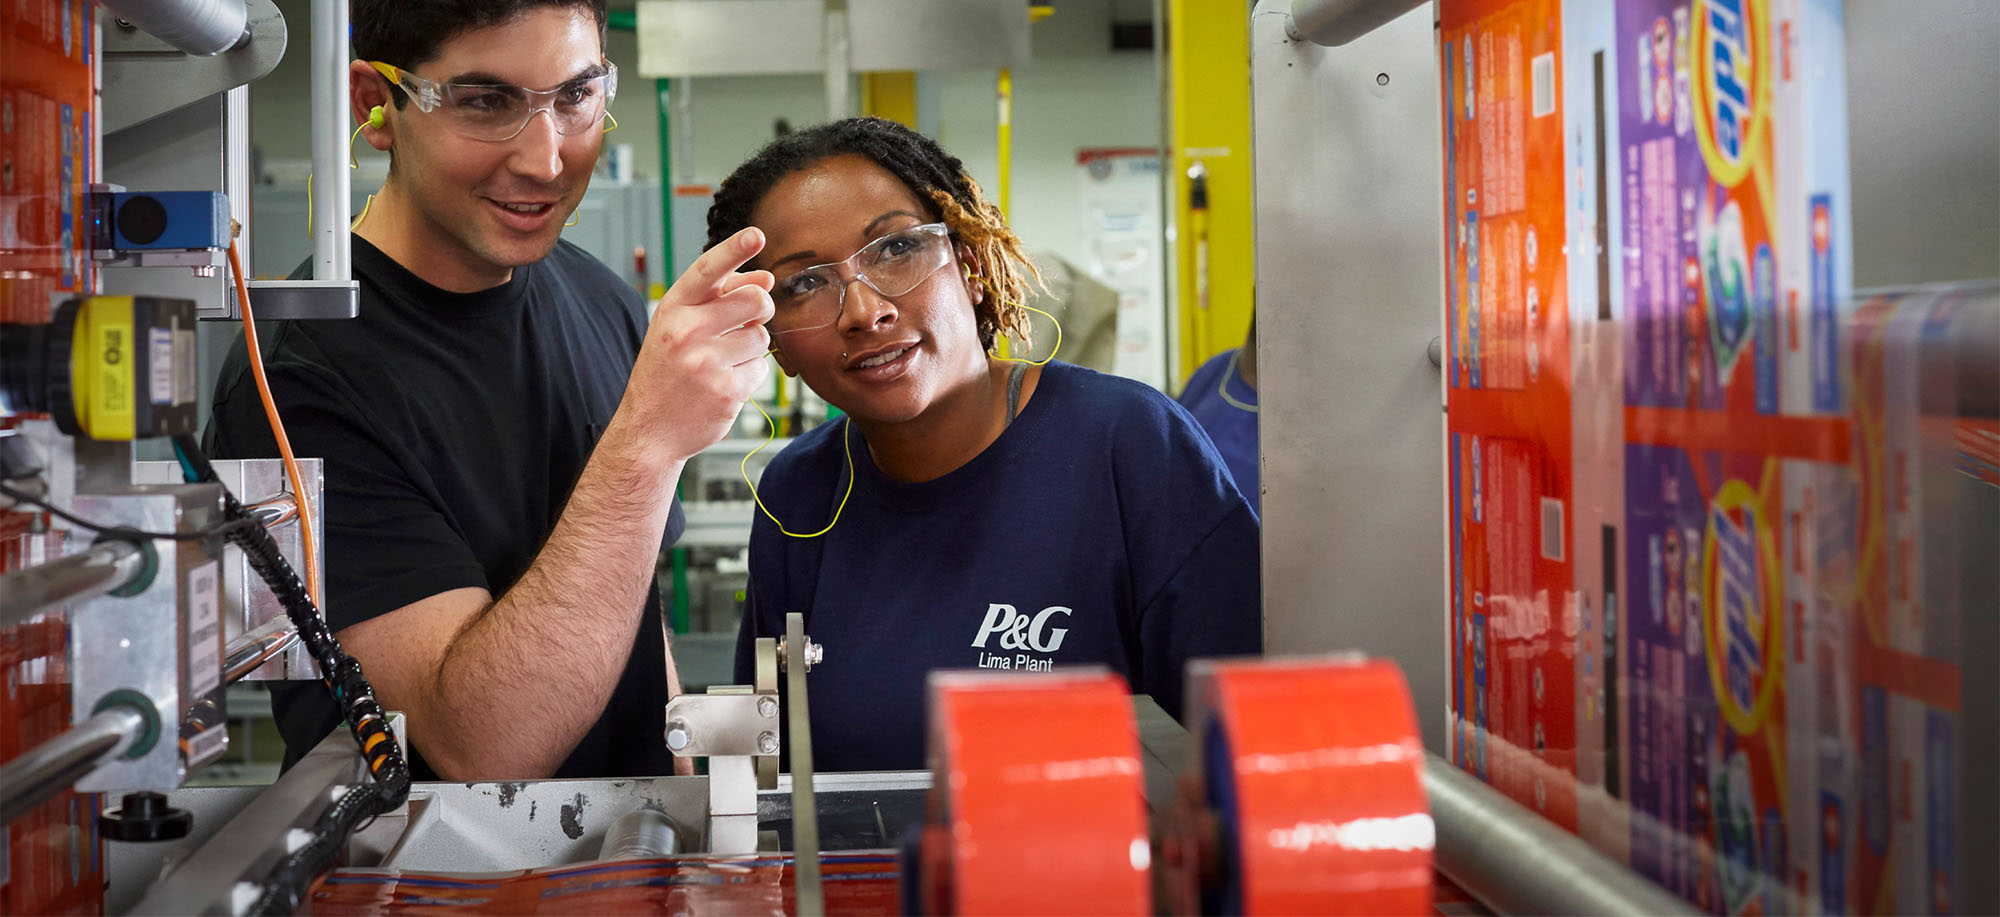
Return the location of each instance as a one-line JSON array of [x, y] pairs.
[[969, 511]]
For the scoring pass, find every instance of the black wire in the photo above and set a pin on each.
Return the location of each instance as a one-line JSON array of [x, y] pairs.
[[189, 452], [219, 530], [287, 883]]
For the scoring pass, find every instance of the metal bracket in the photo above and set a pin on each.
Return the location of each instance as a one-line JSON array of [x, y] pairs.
[[709, 725], [145, 77], [164, 643], [276, 299], [736, 728], [204, 261], [247, 603], [766, 656]]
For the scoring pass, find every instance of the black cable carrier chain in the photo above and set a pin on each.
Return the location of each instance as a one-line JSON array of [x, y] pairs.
[[285, 888]]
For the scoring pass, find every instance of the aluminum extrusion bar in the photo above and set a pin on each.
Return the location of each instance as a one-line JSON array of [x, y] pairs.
[[57, 764], [107, 565], [331, 248], [252, 842], [1517, 862], [1336, 22]]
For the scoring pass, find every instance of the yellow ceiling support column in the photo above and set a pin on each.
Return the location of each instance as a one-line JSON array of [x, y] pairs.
[[1003, 135], [892, 95], [1209, 178]]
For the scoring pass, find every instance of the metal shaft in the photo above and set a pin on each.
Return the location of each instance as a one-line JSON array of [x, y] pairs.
[[66, 581], [257, 647], [1336, 22], [1517, 862], [57, 764], [275, 511], [643, 834]]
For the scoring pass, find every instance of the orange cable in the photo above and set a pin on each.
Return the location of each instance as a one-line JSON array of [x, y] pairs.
[[277, 426]]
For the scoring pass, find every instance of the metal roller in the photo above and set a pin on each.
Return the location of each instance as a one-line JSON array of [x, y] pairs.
[[642, 834], [39, 773], [202, 27], [1336, 22], [106, 566]]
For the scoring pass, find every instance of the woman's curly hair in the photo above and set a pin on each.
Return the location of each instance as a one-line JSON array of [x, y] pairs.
[[935, 175]]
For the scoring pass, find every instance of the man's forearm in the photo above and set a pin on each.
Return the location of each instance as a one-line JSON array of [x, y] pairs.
[[528, 677]]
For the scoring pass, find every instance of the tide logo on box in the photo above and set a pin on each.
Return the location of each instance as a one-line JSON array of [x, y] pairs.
[[1731, 86], [1742, 592]]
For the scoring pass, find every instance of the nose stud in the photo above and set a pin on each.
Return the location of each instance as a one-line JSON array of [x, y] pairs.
[[843, 354]]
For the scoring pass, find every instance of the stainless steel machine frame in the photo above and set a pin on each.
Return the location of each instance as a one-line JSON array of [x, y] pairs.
[[247, 603], [164, 643], [1347, 309], [499, 826]]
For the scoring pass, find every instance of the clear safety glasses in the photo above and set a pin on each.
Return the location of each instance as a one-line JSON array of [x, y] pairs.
[[891, 265], [499, 111]]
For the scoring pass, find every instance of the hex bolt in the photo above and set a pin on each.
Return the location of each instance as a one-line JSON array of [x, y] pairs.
[[767, 707], [815, 654], [767, 743], [677, 735]]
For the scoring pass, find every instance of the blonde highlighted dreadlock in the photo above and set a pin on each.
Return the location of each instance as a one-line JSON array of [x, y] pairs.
[[1000, 265]]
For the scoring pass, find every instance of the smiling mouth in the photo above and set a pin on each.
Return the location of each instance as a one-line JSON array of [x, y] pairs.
[[883, 358], [525, 208]]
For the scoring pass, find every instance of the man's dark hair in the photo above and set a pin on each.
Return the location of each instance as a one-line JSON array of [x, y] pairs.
[[408, 33], [931, 173]]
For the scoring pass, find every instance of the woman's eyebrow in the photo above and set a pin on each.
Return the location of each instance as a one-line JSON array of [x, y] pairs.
[[869, 230]]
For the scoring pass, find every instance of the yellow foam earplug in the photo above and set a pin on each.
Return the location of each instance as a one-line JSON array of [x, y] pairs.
[[375, 116]]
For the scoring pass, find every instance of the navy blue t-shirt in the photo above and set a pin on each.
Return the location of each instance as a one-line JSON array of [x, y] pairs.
[[1233, 427], [1100, 528]]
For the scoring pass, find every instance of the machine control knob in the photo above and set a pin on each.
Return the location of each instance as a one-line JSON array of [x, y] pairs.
[[145, 817]]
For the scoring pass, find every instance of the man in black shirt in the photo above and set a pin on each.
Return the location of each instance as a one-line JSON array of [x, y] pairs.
[[503, 425]]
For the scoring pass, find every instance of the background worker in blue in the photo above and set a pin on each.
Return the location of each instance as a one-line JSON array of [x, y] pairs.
[[1222, 396], [970, 511]]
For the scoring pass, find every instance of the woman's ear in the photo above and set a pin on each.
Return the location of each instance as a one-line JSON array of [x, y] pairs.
[[969, 270], [778, 353]]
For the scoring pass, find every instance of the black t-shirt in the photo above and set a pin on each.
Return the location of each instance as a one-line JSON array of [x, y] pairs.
[[453, 426]]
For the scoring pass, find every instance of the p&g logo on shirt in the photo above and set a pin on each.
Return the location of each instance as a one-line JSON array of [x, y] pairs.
[[1022, 632]]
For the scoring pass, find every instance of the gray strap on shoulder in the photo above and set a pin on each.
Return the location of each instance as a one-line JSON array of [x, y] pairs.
[[1014, 391]]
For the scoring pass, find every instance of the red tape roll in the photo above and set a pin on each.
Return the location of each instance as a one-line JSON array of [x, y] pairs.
[[1039, 778], [1331, 816]]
